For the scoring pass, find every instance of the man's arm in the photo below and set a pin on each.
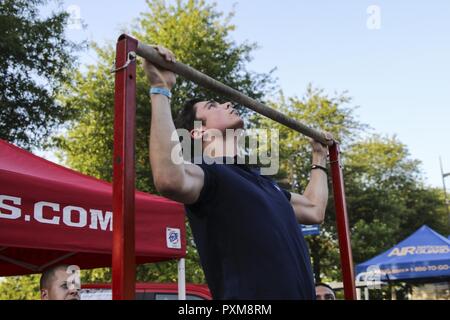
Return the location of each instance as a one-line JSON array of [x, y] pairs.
[[172, 177], [310, 207]]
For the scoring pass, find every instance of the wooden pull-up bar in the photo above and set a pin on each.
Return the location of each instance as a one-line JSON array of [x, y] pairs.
[[150, 53]]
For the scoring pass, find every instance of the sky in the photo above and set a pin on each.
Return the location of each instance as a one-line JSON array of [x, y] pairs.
[[391, 56]]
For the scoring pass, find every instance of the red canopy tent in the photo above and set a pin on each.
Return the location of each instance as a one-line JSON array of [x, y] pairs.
[[50, 214]]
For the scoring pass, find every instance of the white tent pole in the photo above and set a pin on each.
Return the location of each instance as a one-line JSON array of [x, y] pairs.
[[358, 293], [181, 280]]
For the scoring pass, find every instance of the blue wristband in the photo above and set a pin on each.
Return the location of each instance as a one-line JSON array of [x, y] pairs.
[[163, 91]]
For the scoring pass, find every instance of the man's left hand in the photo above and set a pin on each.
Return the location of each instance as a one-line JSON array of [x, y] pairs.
[[320, 150]]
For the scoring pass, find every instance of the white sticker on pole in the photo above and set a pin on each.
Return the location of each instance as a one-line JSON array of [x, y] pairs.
[[173, 237]]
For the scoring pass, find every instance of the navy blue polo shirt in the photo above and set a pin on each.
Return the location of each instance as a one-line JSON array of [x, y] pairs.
[[247, 236]]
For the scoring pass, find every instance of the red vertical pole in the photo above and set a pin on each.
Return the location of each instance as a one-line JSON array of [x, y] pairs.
[[123, 255], [342, 224]]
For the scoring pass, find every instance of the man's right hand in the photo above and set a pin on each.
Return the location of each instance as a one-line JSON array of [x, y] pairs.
[[159, 77]]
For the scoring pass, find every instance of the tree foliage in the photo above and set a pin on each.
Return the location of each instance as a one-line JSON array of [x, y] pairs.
[[35, 59], [20, 288]]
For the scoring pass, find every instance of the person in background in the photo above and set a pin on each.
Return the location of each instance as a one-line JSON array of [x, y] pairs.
[[59, 282], [324, 292]]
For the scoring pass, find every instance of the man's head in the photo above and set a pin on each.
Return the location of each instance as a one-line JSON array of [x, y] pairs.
[[215, 119], [54, 284], [324, 292], [212, 114]]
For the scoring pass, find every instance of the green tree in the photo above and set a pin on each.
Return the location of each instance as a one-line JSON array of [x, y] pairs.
[[387, 197], [20, 288], [35, 59], [199, 36]]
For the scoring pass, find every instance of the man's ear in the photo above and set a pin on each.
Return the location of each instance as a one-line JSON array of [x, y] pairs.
[[44, 294], [197, 133]]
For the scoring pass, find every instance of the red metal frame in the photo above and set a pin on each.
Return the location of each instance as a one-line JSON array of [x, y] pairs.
[[123, 255], [342, 223], [123, 264]]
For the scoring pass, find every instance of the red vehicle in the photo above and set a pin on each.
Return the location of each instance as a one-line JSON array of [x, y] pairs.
[[148, 291]]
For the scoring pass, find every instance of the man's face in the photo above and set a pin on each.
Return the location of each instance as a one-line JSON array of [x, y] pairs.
[[59, 289], [218, 116], [324, 293]]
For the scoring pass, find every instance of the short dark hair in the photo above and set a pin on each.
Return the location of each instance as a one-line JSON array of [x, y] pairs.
[[48, 275], [322, 284], [186, 119], [188, 114]]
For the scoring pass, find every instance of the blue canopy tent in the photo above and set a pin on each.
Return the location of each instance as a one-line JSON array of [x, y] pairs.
[[425, 254]]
